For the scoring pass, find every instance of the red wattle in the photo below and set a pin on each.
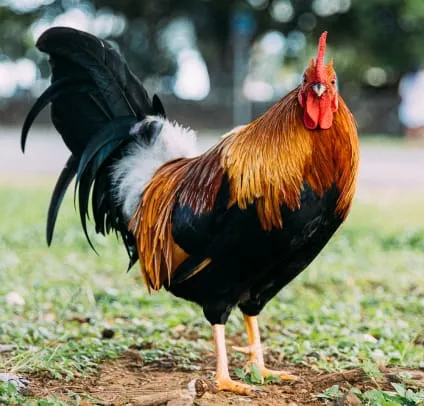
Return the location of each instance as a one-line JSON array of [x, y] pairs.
[[318, 112], [311, 115], [325, 112]]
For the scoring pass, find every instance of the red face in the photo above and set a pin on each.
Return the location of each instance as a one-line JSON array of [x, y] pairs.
[[318, 92]]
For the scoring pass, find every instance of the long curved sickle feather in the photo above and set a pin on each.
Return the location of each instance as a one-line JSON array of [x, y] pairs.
[[99, 201], [84, 194], [115, 130], [57, 89], [62, 184], [101, 146]]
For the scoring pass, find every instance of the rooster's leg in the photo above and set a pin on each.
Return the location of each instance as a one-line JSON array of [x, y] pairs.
[[222, 377], [255, 350]]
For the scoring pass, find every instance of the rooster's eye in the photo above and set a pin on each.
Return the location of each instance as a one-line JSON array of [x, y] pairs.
[[333, 82]]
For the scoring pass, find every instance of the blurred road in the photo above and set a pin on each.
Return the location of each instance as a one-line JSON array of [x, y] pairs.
[[385, 170]]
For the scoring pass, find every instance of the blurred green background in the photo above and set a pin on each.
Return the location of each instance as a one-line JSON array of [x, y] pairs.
[[205, 56]]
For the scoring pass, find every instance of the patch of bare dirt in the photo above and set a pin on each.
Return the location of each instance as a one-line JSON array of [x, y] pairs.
[[127, 381]]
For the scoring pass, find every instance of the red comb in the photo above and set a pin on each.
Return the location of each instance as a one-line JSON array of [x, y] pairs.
[[319, 65]]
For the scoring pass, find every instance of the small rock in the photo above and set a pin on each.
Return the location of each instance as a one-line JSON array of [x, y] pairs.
[[197, 388], [7, 348], [108, 333], [14, 299], [179, 329], [134, 357], [314, 354], [176, 397], [19, 382], [402, 323], [11, 348], [378, 354], [350, 399], [419, 340], [369, 338]]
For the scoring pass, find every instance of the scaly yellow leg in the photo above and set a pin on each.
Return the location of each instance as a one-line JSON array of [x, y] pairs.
[[222, 377], [255, 350]]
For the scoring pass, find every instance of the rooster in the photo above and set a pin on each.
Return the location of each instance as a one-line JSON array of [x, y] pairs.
[[229, 227]]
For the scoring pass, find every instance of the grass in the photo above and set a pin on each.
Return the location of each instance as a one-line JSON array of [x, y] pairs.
[[359, 304]]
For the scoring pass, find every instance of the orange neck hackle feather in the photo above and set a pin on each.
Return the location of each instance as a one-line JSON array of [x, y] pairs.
[[269, 160]]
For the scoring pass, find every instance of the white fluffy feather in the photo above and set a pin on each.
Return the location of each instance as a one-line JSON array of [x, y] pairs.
[[132, 172]]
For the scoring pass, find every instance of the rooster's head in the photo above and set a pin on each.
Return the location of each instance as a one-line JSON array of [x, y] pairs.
[[318, 92]]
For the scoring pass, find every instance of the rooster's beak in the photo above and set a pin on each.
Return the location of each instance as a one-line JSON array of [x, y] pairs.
[[319, 89]]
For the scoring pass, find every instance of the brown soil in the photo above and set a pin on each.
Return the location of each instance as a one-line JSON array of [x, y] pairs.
[[127, 381]]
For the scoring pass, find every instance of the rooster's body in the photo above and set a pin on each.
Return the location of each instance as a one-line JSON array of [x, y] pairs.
[[226, 228]]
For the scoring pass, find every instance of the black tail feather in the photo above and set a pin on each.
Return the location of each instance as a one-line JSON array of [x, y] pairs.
[[121, 89], [106, 141], [62, 184], [99, 150], [57, 89], [95, 101], [158, 106], [100, 201]]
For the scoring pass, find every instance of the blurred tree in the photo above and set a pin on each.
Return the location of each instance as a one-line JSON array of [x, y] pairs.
[[379, 39], [13, 32]]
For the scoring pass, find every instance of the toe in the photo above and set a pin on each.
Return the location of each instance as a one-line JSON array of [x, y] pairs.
[[283, 375], [240, 388], [265, 372], [287, 377]]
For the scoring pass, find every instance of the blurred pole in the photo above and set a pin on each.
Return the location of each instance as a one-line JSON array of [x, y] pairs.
[[243, 27]]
